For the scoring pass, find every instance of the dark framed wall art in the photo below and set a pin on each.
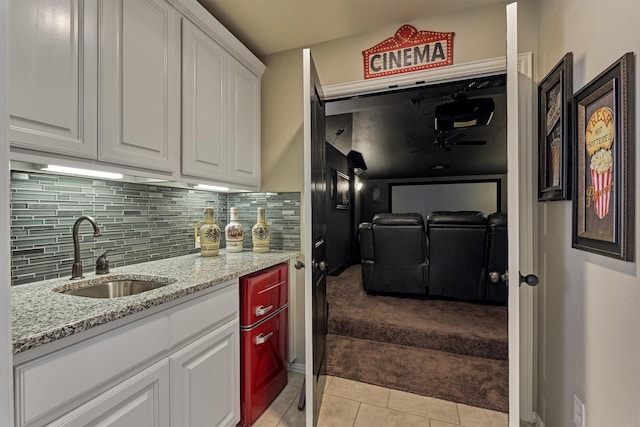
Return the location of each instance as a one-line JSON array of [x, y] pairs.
[[554, 132], [603, 157], [341, 190]]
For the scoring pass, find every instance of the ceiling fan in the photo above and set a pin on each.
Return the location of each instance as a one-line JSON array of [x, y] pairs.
[[446, 140]]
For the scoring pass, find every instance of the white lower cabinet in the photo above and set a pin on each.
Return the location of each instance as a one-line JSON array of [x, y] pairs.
[[179, 367], [142, 400], [204, 384]]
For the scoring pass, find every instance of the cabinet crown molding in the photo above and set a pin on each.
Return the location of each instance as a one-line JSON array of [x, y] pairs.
[[195, 12]]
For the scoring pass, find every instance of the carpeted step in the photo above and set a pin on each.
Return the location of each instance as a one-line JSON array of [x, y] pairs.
[[436, 338], [453, 326], [459, 378]]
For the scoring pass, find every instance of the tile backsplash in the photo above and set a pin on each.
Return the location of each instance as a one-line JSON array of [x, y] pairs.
[[139, 222]]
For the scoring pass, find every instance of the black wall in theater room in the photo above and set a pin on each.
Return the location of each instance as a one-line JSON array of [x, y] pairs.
[[339, 221]]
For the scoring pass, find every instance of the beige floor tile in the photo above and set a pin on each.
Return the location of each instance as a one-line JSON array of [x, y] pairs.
[[361, 392], [277, 409], [375, 416], [438, 423], [424, 406], [471, 416], [293, 417], [337, 412], [328, 381], [295, 378]]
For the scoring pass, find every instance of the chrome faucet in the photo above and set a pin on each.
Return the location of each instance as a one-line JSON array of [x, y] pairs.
[[76, 270]]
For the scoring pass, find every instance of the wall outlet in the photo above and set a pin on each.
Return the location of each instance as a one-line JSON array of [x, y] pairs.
[[578, 412]]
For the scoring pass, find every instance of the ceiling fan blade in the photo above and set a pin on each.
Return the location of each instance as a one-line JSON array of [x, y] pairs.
[[471, 143], [452, 139], [417, 150]]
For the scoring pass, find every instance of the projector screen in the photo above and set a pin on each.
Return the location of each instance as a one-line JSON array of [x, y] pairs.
[[483, 196]]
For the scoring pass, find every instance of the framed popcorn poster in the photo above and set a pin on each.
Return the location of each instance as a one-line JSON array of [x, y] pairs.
[[603, 157]]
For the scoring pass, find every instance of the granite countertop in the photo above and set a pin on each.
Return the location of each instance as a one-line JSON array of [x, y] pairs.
[[40, 315]]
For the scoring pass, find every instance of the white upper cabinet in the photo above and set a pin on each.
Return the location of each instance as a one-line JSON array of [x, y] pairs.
[[139, 84], [53, 76], [204, 105], [244, 125], [156, 88], [220, 112]]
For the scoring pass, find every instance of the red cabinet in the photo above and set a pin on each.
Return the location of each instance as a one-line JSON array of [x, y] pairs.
[[263, 339]]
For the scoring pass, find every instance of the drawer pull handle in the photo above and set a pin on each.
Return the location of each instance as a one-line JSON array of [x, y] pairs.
[[262, 310], [262, 338]]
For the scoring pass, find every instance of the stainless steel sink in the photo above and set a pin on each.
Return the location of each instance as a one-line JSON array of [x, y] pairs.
[[114, 288]]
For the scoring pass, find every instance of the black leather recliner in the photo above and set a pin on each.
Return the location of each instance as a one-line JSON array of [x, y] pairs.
[[457, 248], [497, 256], [394, 254]]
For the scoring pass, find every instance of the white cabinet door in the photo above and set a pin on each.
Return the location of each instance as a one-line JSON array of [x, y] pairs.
[[204, 105], [205, 380], [139, 84], [141, 401], [83, 367], [244, 125], [53, 76]]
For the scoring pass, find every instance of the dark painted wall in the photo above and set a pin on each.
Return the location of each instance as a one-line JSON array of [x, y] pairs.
[[339, 221]]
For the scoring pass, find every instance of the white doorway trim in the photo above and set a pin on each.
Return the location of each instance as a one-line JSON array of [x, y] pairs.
[[472, 70], [6, 356], [451, 73]]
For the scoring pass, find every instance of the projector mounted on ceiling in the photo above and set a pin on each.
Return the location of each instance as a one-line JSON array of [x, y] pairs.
[[463, 113]]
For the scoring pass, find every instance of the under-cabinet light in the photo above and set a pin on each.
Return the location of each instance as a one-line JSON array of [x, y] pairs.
[[211, 187], [84, 172]]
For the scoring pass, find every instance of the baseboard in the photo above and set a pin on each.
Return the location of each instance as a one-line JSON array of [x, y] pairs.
[[297, 367]]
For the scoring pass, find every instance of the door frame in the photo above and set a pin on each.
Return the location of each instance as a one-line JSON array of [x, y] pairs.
[[477, 69], [6, 356]]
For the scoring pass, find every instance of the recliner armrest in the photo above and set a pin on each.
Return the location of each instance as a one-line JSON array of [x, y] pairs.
[[365, 238]]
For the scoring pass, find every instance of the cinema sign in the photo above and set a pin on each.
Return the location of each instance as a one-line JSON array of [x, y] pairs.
[[408, 50]]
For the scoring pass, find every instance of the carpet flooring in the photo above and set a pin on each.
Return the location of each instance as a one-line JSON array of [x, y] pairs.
[[445, 349]]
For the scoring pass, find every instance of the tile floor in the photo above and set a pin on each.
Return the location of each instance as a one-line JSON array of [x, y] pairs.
[[349, 403]]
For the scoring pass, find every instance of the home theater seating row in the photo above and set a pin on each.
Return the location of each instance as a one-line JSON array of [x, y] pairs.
[[449, 256]]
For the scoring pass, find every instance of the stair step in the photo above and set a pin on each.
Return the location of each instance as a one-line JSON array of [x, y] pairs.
[[437, 338], [466, 328], [474, 381]]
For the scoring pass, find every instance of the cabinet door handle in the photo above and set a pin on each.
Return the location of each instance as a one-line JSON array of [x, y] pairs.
[[261, 310], [262, 338]]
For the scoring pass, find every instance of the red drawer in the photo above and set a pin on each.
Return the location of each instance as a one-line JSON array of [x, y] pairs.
[[263, 293], [263, 370]]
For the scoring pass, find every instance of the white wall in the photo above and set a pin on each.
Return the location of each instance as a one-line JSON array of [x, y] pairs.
[[282, 148], [589, 311]]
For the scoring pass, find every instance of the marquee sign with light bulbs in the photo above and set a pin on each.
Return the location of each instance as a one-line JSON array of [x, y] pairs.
[[408, 50]]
